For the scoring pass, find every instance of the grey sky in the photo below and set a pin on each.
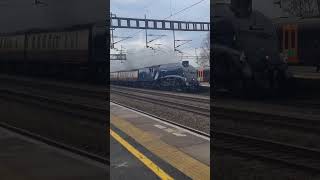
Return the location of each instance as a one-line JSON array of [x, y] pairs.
[[22, 14], [137, 54]]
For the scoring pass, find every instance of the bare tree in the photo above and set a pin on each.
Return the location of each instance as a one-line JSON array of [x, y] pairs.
[[203, 59], [301, 8]]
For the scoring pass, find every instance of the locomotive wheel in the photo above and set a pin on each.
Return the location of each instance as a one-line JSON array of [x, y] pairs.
[[178, 86]]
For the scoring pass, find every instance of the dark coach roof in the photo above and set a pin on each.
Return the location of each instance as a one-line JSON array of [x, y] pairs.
[[55, 29]]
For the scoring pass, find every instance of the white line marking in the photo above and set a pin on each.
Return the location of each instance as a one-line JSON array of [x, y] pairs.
[[124, 164], [178, 134], [160, 121], [169, 130], [159, 126]]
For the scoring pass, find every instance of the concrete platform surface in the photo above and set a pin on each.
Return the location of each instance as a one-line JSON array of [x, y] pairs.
[[305, 72], [179, 153], [22, 158]]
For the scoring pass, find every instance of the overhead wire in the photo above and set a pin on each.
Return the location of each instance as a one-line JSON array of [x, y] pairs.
[[174, 14]]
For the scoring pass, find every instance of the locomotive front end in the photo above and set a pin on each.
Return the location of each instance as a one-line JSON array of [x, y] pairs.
[[190, 77]]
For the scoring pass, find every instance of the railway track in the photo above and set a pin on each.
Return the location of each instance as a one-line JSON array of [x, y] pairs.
[[266, 150], [176, 102], [201, 133], [97, 92], [51, 142], [306, 124], [87, 114], [200, 99], [57, 104]]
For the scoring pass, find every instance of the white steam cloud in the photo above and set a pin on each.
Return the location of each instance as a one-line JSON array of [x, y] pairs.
[[143, 58]]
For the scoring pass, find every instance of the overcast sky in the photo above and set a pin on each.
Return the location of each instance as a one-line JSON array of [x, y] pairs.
[[137, 54], [23, 14]]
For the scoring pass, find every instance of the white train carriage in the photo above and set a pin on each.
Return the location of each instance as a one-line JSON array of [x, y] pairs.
[[124, 77], [128, 75]]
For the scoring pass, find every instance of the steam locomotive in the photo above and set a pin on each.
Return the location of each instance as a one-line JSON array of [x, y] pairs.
[[246, 56], [173, 76]]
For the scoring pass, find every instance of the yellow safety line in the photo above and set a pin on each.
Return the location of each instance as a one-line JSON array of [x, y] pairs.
[[170, 154], [152, 166]]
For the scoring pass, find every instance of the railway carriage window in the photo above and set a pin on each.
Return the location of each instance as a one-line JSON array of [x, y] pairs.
[[53, 41], [286, 43], [57, 41], [49, 41], [293, 39], [66, 41], [72, 41], [38, 42], [77, 40], [33, 41], [44, 41]]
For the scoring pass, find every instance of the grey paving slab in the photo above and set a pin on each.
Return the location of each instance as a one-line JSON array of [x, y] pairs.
[[22, 158], [125, 166], [198, 151], [195, 146]]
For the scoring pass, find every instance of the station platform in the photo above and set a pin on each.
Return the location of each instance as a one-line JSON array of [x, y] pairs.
[[304, 72], [144, 147], [205, 84], [306, 78], [22, 158]]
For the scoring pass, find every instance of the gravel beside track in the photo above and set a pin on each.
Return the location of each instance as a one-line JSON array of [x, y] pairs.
[[192, 120], [293, 156], [276, 134], [186, 96]]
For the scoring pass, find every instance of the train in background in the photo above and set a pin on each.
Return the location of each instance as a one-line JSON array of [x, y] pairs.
[[299, 40], [173, 76], [204, 75], [77, 52], [245, 54]]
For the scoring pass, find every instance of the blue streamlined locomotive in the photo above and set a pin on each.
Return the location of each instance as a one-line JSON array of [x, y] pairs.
[[173, 76]]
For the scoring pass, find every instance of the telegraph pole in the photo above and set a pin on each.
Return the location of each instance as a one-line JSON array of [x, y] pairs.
[[174, 41], [146, 26]]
